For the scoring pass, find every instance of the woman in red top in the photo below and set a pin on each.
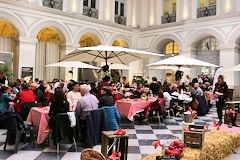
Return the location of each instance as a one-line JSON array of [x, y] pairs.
[[26, 95]]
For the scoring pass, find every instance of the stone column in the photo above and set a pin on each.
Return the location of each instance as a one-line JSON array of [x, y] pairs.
[[67, 48], [27, 50], [229, 57]]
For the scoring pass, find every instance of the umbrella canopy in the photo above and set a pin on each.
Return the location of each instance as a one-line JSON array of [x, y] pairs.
[[174, 68], [110, 54], [234, 68], [182, 61], [72, 64], [119, 66], [1, 62]]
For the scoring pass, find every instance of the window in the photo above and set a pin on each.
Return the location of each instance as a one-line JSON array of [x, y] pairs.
[[119, 11], [209, 44], [122, 10], [116, 7], [169, 6], [93, 3], [85, 3], [171, 48]]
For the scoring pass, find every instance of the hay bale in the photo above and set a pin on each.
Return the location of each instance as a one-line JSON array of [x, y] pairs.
[[217, 145]]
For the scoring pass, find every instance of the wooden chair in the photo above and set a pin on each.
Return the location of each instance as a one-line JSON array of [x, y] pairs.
[[90, 154]]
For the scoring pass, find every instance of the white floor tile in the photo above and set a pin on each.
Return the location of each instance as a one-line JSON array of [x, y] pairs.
[[147, 136], [161, 131], [134, 156], [133, 142], [25, 155], [143, 127], [71, 156], [148, 150]]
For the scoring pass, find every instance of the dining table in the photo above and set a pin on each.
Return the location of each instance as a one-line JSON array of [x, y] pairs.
[[129, 107], [38, 116]]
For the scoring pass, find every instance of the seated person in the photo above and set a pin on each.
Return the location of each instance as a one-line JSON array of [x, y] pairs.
[[59, 104], [154, 86], [87, 103], [4, 99], [38, 93], [197, 90], [106, 98], [138, 93], [26, 95], [74, 95], [113, 117], [125, 82], [166, 96]]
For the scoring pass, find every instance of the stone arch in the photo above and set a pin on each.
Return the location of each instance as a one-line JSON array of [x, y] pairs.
[[234, 36], [63, 32], [162, 40], [199, 34], [95, 32], [17, 24], [115, 37]]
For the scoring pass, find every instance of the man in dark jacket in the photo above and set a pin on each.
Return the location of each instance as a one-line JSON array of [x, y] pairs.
[[154, 86], [41, 87], [38, 93]]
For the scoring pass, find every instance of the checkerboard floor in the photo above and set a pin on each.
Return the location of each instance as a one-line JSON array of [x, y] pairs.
[[142, 134]]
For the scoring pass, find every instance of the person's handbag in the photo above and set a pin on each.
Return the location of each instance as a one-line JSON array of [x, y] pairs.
[[195, 103]]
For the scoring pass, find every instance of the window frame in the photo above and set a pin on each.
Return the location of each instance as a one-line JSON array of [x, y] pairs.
[[170, 5], [120, 2]]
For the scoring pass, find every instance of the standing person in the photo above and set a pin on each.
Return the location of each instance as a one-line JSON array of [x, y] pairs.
[[41, 86], [221, 92], [26, 95], [154, 86], [106, 98], [93, 90], [4, 99], [125, 82], [70, 85], [200, 80], [74, 95], [187, 80], [3, 78], [105, 82]]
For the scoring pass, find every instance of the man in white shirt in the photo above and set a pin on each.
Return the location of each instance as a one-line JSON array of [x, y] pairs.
[[187, 80], [166, 96], [74, 95]]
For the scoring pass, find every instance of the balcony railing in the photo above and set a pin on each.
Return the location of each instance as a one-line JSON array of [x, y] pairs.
[[120, 20], [90, 12], [57, 4], [169, 18], [206, 11]]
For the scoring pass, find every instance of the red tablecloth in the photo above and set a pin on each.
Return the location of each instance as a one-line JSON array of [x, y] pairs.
[[39, 119], [130, 108]]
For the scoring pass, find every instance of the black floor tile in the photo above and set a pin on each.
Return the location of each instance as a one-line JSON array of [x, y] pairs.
[[29, 147], [165, 136], [144, 132], [79, 148], [159, 127], [5, 154], [132, 136], [133, 149], [176, 131], [146, 142], [50, 156]]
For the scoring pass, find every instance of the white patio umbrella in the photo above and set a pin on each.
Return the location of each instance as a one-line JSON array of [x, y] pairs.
[[72, 64], [234, 68], [1, 62], [108, 54], [182, 61], [174, 68], [118, 66]]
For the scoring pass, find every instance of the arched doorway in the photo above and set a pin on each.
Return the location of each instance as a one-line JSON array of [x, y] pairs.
[[9, 45], [207, 50], [88, 40], [48, 51], [116, 74], [170, 48]]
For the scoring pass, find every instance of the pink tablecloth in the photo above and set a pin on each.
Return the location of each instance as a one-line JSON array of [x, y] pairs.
[[130, 108], [210, 93], [39, 119]]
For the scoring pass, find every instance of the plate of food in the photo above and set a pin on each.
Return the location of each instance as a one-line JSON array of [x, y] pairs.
[[219, 93]]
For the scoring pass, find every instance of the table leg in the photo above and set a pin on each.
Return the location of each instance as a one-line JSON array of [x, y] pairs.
[[104, 145]]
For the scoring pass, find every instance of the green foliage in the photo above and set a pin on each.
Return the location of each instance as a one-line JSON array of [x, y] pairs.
[[178, 75], [138, 79], [5, 68]]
